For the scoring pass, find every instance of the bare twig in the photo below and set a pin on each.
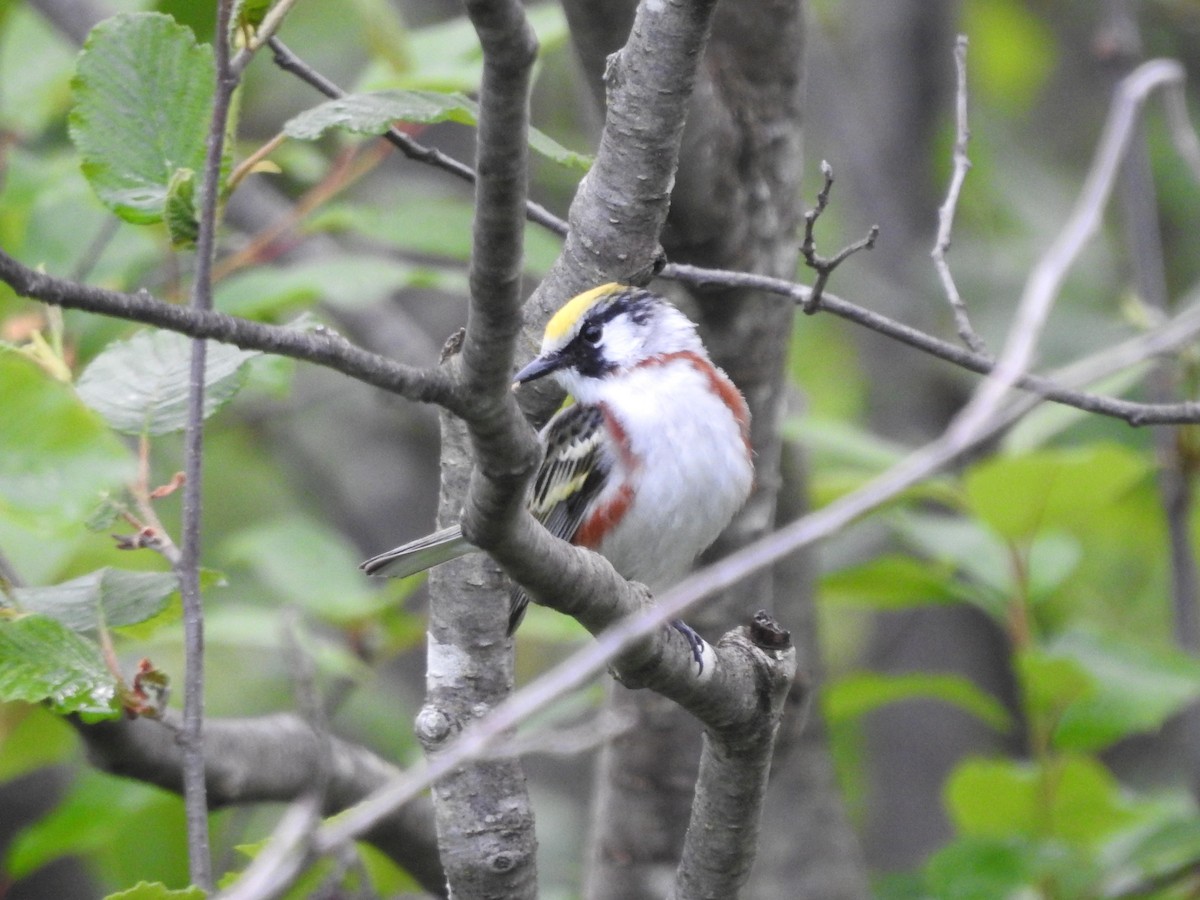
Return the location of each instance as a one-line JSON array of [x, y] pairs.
[[262, 35], [290, 62], [1143, 238], [962, 165], [326, 348], [1047, 276], [322, 346], [188, 568], [288, 851], [808, 248]]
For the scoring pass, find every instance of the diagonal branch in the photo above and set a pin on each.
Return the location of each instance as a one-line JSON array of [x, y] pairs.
[[1045, 281]]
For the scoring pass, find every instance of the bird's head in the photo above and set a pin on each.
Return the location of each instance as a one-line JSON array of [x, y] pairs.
[[605, 332]]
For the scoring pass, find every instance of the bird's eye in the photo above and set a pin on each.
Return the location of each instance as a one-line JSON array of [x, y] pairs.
[[592, 332]]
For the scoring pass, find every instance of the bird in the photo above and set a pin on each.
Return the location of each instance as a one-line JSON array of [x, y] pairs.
[[648, 459]]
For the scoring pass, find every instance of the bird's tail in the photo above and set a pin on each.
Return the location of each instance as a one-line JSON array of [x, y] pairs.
[[419, 555]]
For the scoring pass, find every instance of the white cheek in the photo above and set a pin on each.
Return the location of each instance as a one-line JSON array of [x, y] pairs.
[[622, 343]]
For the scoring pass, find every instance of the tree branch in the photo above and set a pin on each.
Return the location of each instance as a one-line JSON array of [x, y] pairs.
[[412, 149], [962, 165], [270, 759], [323, 346], [1044, 282], [191, 737], [484, 814]]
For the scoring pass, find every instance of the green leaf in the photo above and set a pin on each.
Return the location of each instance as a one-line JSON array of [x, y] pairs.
[[56, 455], [376, 112], [1074, 799], [304, 562], [1050, 684], [980, 869], [438, 225], [266, 292], [446, 56], [31, 737], [43, 660], [179, 212], [890, 582], [156, 890], [109, 597], [1134, 689], [971, 549], [140, 386], [841, 443], [853, 696], [1050, 562], [103, 816], [1064, 489], [1171, 845], [1012, 51], [143, 97]]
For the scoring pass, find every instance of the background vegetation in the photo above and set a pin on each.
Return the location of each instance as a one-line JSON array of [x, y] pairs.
[[1007, 676]]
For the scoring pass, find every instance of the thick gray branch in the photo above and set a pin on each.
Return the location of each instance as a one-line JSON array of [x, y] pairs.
[[271, 759], [483, 811]]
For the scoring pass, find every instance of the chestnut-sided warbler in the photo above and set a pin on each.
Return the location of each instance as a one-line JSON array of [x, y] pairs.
[[646, 463]]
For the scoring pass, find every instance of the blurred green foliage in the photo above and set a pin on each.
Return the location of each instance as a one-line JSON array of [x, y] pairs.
[[1058, 537]]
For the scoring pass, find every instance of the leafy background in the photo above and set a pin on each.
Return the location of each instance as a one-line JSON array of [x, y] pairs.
[[1053, 545]]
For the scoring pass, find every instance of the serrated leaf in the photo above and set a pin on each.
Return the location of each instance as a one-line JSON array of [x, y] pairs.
[[41, 660], [140, 386], [376, 112], [156, 890], [853, 696], [143, 92], [109, 597], [56, 455], [179, 212]]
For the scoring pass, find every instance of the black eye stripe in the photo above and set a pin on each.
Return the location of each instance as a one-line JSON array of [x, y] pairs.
[[635, 301]]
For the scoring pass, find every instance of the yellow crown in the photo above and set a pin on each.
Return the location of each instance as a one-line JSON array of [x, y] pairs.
[[566, 317]]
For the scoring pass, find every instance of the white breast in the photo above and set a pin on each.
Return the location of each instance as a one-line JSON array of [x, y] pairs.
[[693, 473]]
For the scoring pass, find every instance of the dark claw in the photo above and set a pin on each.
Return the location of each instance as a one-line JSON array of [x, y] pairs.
[[696, 642]]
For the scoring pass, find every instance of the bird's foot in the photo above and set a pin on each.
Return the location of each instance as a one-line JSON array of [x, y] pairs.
[[694, 639]]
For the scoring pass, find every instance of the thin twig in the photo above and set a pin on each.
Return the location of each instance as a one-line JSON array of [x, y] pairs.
[[290, 62], [191, 736], [246, 166], [262, 34], [1176, 464], [808, 248], [962, 165], [95, 249], [1047, 276]]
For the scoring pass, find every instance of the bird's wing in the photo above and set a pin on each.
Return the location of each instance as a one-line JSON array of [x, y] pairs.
[[573, 471], [571, 476]]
